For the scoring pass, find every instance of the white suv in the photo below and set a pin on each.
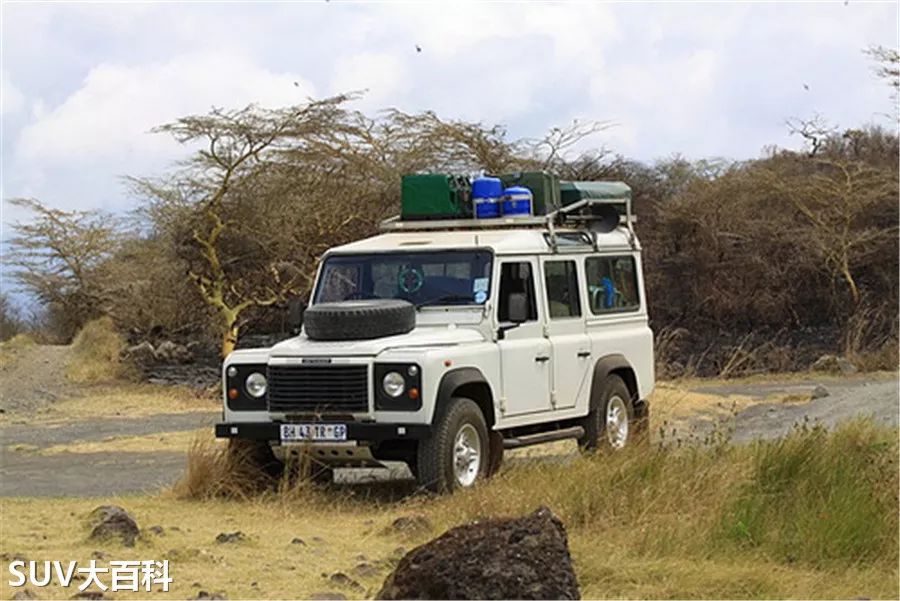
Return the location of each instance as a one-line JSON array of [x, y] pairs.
[[442, 343]]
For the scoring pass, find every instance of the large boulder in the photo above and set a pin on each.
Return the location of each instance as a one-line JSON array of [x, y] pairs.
[[112, 522], [834, 365], [519, 558]]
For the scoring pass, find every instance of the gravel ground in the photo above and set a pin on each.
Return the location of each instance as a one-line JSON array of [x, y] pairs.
[[24, 472]]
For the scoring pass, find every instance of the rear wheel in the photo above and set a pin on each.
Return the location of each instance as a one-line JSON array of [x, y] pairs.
[[610, 424], [457, 454]]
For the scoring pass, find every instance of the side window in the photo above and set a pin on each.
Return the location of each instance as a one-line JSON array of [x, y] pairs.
[[561, 279], [516, 277], [612, 284]]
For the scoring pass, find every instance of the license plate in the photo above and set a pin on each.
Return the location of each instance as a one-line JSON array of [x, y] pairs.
[[313, 432]]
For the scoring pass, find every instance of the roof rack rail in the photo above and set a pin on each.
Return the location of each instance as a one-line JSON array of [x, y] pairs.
[[584, 215]]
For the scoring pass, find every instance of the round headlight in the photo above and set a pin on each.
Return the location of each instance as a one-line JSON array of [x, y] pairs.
[[393, 384], [256, 385]]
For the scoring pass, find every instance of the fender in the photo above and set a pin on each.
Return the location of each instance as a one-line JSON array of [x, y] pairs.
[[468, 377], [603, 367]]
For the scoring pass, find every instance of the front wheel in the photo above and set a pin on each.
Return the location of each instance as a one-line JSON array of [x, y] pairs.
[[610, 424], [457, 454]]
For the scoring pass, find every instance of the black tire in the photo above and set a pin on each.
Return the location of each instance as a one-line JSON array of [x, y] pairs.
[[594, 424], [359, 319], [434, 463]]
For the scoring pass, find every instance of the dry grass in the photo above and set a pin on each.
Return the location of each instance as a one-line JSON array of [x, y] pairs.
[[814, 516], [9, 349], [97, 354]]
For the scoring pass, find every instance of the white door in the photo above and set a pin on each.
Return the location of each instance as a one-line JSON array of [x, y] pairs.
[[570, 344], [525, 354]]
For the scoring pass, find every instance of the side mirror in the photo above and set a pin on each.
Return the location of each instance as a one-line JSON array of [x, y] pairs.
[[518, 307], [296, 309]]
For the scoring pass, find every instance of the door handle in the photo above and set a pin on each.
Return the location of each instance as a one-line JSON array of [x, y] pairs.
[[542, 358], [584, 354]]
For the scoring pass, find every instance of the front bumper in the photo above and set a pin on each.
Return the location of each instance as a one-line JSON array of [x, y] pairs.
[[359, 431]]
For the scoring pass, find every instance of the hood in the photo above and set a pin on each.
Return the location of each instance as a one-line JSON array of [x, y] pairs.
[[421, 336]]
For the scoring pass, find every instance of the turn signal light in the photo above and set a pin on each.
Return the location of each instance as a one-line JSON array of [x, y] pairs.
[[233, 393], [413, 393]]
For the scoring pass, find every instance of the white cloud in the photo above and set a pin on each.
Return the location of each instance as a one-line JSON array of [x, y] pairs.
[[12, 100], [385, 77], [109, 116]]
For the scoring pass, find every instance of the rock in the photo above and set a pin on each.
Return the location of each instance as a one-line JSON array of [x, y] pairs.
[[208, 595], [169, 352], [846, 366], [298, 541], [834, 364], [409, 525], [25, 593], [327, 596], [111, 521], [141, 354], [157, 530], [519, 558], [230, 537], [341, 579], [819, 392], [98, 555], [365, 570]]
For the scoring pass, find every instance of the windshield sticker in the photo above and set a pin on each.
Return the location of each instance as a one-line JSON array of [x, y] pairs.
[[480, 285], [480, 296]]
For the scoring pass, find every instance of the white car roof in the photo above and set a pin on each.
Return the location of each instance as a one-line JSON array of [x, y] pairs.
[[502, 241]]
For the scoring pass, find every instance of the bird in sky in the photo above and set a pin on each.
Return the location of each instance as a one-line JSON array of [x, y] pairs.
[[806, 87], [418, 48]]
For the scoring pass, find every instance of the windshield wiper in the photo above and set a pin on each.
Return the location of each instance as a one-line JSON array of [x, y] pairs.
[[443, 299]]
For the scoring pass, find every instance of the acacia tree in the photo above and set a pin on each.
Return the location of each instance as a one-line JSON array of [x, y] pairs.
[[241, 151], [838, 199], [60, 257]]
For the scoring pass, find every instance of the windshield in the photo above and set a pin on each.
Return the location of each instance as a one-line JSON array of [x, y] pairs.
[[422, 278]]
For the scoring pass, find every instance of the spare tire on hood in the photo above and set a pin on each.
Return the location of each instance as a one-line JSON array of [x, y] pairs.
[[359, 319]]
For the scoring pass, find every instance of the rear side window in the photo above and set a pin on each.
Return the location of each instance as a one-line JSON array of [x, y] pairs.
[[612, 284], [561, 279]]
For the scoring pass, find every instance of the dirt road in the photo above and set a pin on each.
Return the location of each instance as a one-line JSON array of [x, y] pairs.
[[26, 470]]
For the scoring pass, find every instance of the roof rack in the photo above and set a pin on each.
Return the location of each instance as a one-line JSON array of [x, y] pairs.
[[580, 215]]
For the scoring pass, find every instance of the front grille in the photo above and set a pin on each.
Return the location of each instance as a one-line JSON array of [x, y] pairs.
[[319, 388]]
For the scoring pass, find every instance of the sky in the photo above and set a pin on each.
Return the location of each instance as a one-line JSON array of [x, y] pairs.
[[84, 83]]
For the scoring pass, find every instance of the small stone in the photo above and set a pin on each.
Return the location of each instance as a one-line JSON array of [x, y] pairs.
[[98, 555], [341, 579], [409, 525], [298, 541], [365, 570], [93, 595], [157, 530], [25, 593], [230, 537], [318, 540], [819, 392]]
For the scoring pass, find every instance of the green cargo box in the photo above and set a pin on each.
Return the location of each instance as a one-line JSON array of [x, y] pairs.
[[572, 192], [435, 196], [544, 186]]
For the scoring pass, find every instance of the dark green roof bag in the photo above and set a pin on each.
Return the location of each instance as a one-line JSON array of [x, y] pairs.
[[435, 196], [572, 192]]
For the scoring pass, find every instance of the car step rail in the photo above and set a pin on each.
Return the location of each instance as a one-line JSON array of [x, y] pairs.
[[541, 437]]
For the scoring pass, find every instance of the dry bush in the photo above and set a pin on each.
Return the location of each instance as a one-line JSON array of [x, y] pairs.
[[239, 470], [97, 354], [870, 339]]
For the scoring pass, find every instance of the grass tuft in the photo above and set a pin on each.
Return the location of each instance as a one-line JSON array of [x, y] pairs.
[[97, 354]]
